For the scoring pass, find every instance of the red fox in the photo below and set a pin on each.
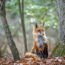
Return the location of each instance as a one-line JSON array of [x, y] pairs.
[[40, 44]]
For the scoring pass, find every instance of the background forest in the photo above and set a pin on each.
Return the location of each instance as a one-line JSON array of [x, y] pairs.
[[34, 11]]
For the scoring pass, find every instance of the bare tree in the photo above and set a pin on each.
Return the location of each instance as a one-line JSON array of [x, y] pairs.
[[61, 14], [21, 11], [7, 31]]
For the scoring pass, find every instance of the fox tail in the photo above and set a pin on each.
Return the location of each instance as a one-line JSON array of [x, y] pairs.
[[29, 55]]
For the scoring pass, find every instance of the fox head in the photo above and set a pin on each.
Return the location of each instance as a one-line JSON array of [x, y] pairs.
[[39, 34]]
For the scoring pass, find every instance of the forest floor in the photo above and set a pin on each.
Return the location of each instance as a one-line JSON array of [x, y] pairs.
[[7, 60]]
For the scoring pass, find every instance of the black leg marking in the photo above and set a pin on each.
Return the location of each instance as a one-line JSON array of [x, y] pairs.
[[46, 52], [41, 54]]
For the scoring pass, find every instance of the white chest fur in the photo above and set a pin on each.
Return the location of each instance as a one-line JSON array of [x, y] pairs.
[[40, 38]]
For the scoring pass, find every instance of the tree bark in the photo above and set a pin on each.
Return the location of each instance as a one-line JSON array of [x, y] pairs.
[[7, 31], [21, 11], [61, 15]]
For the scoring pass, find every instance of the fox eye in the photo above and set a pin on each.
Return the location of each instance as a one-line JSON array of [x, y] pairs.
[[38, 30]]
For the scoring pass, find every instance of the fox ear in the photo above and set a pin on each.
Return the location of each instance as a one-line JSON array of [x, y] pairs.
[[36, 25]]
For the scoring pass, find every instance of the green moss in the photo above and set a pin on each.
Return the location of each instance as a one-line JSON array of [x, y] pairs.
[[59, 50]]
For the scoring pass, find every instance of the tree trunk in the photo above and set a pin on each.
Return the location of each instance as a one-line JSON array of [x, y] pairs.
[[7, 31], [61, 14], [21, 11]]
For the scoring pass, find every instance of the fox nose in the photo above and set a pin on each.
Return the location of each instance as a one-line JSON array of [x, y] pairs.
[[40, 36]]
